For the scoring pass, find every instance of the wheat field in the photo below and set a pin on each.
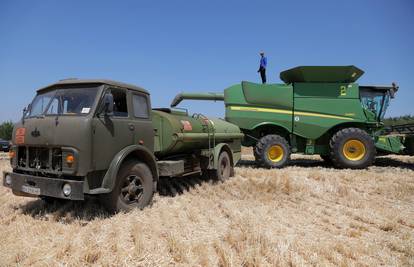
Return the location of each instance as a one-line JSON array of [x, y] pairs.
[[307, 214]]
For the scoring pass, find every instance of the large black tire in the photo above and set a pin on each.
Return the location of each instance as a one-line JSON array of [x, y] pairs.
[[352, 148], [272, 151], [133, 188]]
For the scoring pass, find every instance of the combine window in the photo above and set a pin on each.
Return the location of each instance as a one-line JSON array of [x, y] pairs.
[[375, 100]]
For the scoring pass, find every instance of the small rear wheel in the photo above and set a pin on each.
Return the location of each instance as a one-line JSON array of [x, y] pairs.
[[352, 148], [272, 151], [224, 169], [133, 188]]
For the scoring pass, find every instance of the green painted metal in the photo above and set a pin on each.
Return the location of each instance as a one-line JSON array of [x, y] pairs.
[[390, 144], [315, 113], [327, 74], [278, 96], [178, 133], [197, 96]]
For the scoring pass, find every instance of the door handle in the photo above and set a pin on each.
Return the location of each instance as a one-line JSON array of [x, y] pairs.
[[131, 126]]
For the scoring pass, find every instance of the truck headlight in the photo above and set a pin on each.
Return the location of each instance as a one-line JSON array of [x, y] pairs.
[[67, 189], [70, 159]]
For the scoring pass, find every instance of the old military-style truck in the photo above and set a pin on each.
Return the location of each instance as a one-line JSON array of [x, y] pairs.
[[100, 137]]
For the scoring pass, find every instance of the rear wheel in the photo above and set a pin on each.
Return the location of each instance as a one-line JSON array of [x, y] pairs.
[[272, 151], [352, 148], [224, 168], [133, 188]]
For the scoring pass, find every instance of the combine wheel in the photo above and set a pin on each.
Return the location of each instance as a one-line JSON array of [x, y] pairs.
[[272, 151], [352, 148], [133, 188]]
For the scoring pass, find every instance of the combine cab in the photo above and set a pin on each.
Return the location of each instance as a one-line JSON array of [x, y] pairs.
[[318, 110]]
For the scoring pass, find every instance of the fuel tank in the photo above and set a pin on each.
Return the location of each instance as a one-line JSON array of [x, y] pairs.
[[176, 132]]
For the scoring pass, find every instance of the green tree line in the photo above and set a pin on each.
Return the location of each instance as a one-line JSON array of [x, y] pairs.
[[399, 120], [6, 130]]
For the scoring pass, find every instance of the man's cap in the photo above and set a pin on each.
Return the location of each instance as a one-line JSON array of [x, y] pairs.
[[261, 53]]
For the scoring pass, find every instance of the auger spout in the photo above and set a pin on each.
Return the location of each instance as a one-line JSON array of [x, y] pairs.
[[197, 96]]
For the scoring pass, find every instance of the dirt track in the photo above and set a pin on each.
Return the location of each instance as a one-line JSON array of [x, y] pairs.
[[305, 214]]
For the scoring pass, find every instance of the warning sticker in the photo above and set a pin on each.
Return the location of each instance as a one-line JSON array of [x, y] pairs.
[[187, 125], [20, 133]]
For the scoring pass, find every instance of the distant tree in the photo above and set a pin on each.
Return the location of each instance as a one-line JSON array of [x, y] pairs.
[[6, 130], [399, 120]]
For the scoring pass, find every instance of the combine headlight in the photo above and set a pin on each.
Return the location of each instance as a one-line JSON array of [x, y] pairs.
[[67, 189], [8, 179]]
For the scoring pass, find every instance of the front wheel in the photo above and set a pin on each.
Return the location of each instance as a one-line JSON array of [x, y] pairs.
[[133, 188], [272, 151], [352, 148]]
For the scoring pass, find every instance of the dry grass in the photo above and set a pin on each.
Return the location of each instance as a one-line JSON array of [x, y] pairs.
[[305, 214]]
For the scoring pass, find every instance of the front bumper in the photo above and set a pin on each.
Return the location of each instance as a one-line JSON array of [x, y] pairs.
[[33, 186]]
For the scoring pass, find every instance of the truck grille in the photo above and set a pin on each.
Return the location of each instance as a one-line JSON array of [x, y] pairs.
[[43, 159]]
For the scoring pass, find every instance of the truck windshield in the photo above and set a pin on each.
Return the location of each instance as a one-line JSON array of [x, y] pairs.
[[68, 101], [375, 101]]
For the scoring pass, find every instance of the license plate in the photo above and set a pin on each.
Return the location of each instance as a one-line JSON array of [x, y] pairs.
[[31, 190]]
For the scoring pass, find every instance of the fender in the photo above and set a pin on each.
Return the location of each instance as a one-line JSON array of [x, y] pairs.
[[217, 149], [272, 124], [109, 179]]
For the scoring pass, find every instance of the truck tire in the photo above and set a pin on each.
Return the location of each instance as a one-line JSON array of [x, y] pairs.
[[133, 188], [272, 151], [224, 169], [352, 148]]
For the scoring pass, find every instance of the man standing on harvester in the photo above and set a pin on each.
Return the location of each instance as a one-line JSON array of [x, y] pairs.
[[262, 68]]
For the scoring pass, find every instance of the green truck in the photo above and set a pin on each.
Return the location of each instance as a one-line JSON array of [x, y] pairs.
[[317, 110], [82, 138]]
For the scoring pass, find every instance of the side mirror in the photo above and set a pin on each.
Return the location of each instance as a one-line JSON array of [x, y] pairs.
[[25, 111], [108, 104]]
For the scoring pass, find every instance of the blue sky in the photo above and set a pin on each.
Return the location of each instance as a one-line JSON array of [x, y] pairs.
[[172, 46]]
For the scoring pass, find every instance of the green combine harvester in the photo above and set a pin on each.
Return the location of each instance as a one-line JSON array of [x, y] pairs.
[[318, 110]]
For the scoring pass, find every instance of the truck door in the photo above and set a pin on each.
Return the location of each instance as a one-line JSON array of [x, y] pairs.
[[141, 119], [112, 132]]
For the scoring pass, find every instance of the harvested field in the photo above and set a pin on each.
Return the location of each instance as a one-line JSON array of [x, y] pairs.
[[305, 214]]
